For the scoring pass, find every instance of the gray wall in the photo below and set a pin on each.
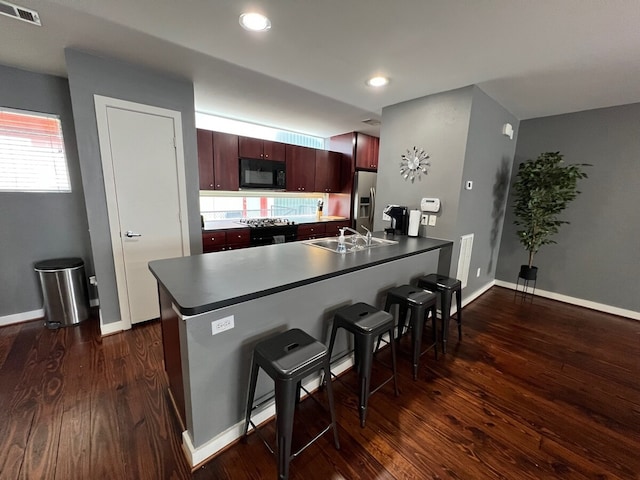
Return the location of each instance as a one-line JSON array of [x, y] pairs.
[[90, 75], [488, 160], [38, 226], [462, 131], [439, 124], [597, 256]]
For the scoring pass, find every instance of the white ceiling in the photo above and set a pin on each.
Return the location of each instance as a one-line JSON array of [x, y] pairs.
[[307, 73]]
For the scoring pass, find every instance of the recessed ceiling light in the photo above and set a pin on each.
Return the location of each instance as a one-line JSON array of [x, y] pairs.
[[378, 81], [255, 22]]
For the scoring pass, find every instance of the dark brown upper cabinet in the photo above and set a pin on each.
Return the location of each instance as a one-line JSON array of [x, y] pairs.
[[361, 150], [225, 161], [257, 148], [301, 168], [328, 174], [367, 149], [217, 160], [205, 159]]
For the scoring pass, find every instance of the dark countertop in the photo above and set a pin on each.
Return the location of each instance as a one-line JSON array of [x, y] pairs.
[[201, 283], [212, 226]]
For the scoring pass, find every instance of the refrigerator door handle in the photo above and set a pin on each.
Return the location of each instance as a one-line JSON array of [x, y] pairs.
[[372, 206]]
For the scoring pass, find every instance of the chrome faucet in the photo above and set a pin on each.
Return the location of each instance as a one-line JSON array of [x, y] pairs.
[[368, 236], [358, 236]]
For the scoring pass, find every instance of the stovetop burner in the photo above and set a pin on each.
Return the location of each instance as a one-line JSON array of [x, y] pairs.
[[266, 222]]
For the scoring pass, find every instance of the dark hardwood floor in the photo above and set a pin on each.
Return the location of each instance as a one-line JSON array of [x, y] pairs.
[[534, 391]]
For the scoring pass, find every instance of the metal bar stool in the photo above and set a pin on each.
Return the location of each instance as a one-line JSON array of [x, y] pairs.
[[288, 358], [419, 302], [445, 286], [366, 323]]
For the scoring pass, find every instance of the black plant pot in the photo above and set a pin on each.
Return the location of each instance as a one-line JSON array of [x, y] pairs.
[[528, 273]]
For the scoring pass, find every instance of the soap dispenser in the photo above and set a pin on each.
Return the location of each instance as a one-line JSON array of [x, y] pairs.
[[342, 248]]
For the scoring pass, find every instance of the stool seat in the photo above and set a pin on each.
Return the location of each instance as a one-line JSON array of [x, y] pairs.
[[446, 287], [289, 353], [288, 358], [419, 302], [441, 282], [364, 317], [413, 295], [366, 323]]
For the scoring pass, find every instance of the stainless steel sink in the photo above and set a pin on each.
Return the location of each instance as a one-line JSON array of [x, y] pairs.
[[331, 244]]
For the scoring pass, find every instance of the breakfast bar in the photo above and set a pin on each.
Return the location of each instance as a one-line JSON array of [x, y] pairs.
[[215, 307]]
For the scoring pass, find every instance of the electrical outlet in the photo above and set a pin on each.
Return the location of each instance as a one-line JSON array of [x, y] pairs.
[[478, 273], [432, 220], [222, 324], [425, 219]]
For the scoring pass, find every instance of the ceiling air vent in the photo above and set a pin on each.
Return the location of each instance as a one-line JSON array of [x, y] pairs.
[[19, 13], [372, 121]]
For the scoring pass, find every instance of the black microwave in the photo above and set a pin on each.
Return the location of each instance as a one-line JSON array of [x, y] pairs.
[[264, 174]]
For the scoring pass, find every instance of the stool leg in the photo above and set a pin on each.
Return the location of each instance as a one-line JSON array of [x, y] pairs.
[[459, 313], [364, 346], [402, 319], [387, 308], [446, 316], [434, 327], [285, 406], [417, 317], [332, 410], [250, 394], [298, 391], [334, 329], [393, 362]]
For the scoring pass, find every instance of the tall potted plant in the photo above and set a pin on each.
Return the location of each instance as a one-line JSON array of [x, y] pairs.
[[543, 189]]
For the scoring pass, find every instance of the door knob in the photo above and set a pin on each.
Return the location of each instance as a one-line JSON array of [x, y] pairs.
[[131, 234]]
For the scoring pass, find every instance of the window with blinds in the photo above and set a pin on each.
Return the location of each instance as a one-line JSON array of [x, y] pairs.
[[32, 156]]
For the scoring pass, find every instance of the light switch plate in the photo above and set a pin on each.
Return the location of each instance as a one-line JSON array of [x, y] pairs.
[[222, 324], [432, 220]]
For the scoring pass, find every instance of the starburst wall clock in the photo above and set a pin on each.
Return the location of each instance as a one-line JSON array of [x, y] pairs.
[[414, 163]]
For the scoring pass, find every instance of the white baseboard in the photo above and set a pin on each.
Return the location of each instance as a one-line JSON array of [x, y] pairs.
[[199, 455], [21, 317], [32, 315], [601, 307], [467, 299], [110, 328]]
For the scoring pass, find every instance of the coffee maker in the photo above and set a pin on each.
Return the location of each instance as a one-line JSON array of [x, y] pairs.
[[399, 219]]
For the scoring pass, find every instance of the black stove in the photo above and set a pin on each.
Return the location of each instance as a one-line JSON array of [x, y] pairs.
[[266, 222], [266, 231]]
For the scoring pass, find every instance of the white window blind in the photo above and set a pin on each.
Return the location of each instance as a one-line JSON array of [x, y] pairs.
[[32, 156]]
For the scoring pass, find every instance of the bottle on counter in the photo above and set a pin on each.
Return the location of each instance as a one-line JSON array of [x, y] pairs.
[[319, 211]]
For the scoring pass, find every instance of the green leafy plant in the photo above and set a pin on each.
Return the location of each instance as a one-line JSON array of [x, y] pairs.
[[543, 189]]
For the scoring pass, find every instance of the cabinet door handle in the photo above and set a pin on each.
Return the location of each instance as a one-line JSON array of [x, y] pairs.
[[131, 234]]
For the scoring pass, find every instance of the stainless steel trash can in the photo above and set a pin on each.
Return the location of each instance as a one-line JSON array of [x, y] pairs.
[[64, 288]]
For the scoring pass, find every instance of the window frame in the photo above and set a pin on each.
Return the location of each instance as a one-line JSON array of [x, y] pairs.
[[52, 165]]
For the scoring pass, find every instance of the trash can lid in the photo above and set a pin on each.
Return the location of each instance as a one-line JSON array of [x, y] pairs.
[[58, 264]]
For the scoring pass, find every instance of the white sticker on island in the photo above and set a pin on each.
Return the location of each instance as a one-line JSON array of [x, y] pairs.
[[222, 324]]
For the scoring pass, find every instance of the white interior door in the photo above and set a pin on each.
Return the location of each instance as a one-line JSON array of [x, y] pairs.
[[144, 181]]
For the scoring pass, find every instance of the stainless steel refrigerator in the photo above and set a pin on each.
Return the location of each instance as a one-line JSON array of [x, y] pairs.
[[364, 201]]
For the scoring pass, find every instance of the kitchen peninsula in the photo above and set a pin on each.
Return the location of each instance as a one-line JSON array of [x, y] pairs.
[[215, 307]]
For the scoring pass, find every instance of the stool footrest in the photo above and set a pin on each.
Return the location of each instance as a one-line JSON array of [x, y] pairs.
[[381, 385], [264, 440], [327, 428]]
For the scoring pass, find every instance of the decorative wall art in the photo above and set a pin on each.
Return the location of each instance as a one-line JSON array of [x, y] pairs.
[[414, 163]]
